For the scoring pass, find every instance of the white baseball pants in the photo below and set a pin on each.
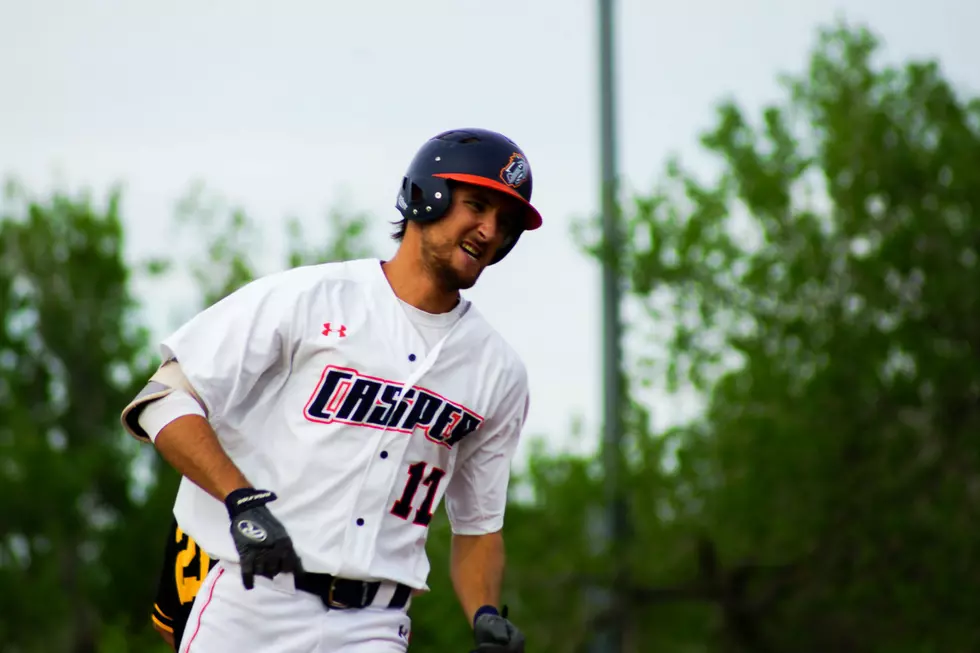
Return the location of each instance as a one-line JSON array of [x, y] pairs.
[[274, 617]]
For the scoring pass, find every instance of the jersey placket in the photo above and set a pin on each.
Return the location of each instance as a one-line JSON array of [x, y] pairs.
[[381, 474]]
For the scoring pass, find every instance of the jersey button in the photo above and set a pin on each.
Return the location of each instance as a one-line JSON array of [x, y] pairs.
[[384, 454], [360, 522], [411, 357]]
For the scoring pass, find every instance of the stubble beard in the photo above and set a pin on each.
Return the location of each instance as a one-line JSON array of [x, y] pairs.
[[438, 260]]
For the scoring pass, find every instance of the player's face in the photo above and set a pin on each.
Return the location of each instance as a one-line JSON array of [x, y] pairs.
[[457, 248]]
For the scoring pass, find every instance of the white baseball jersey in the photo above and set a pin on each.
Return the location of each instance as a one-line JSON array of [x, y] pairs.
[[360, 412]]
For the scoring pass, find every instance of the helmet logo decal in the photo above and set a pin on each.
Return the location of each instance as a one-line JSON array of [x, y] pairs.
[[515, 171]]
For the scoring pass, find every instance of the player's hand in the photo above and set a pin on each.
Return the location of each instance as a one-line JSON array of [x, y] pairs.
[[493, 633], [264, 547]]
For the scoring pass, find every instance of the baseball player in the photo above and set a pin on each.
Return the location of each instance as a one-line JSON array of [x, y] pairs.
[[320, 415], [185, 566]]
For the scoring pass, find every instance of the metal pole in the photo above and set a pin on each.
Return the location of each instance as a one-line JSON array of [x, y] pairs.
[[609, 639]]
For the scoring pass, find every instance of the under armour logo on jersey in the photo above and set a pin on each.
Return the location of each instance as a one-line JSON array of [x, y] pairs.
[[346, 396], [251, 530], [341, 332]]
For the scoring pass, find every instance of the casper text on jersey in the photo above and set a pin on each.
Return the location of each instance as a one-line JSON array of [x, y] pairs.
[[346, 396]]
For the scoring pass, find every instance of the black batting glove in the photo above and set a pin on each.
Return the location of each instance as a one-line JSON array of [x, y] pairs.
[[264, 547], [493, 633]]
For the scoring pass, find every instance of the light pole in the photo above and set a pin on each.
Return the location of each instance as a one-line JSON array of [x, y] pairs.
[[609, 638]]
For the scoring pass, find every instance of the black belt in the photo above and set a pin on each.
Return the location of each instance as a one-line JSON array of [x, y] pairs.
[[344, 593]]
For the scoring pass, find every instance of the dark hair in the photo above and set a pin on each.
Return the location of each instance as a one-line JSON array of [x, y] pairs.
[[399, 231]]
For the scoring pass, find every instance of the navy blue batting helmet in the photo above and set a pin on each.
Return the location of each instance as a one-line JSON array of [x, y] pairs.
[[472, 156]]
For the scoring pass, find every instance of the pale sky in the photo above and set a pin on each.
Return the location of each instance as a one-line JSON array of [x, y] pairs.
[[294, 110]]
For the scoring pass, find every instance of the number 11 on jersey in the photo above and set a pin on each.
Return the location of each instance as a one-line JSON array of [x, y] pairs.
[[417, 477]]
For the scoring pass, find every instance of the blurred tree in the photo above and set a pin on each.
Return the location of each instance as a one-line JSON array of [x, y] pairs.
[[234, 246], [70, 356], [821, 293]]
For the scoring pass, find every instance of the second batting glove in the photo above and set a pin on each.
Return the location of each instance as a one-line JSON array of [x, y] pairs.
[[494, 633]]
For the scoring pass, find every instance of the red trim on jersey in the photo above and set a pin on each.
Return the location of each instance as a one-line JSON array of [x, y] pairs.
[[203, 608]]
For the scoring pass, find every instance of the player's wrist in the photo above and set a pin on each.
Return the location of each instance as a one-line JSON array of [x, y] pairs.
[[485, 609], [245, 498]]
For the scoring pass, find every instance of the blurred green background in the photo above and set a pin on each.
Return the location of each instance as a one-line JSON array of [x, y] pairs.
[[820, 290]]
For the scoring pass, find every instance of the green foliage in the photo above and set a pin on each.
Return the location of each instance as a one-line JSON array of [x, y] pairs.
[[819, 291], [347, 231], [234, 249], [69, 358]]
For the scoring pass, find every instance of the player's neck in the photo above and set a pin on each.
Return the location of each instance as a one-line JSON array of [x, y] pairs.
[[412, 284]]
